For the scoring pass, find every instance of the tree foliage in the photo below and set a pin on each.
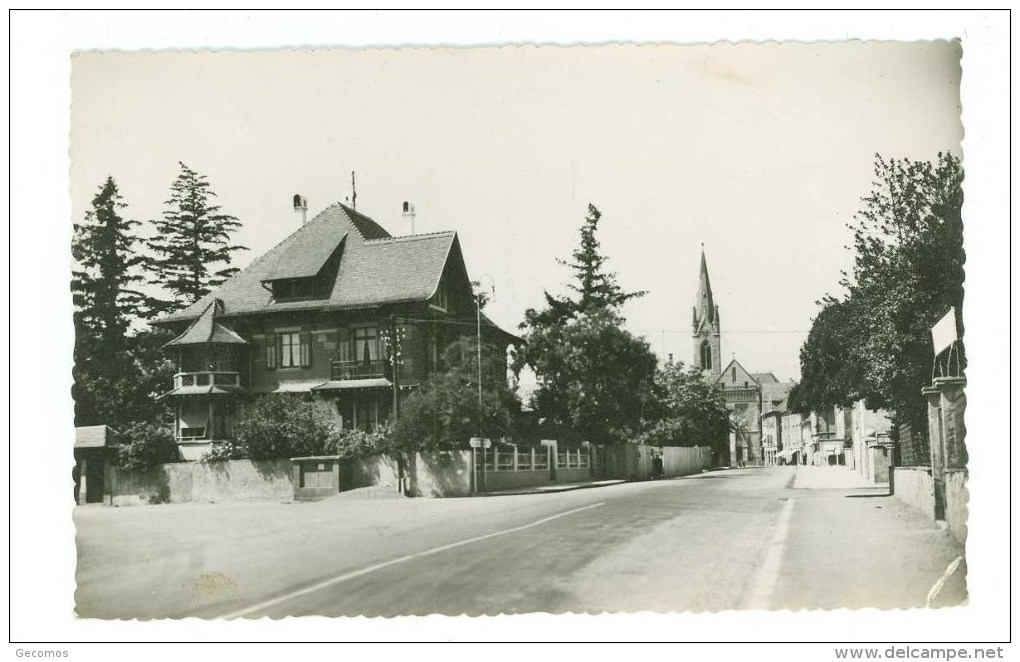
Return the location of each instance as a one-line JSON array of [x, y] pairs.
[[444, 413], [192, 239], [147, 446], [874, 342], [105, 249], [285, 425], [594, 378], [118, 370], [687, 410]]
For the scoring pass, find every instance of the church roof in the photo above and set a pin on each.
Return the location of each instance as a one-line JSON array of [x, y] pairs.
[[704, 311]]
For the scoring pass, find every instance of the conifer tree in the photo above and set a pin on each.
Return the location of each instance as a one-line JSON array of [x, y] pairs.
[[594, 377], [192, 249], [104, 250], [105, 304], [596, 288]]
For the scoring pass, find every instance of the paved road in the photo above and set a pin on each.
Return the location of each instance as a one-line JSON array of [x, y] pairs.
[[723, 540]]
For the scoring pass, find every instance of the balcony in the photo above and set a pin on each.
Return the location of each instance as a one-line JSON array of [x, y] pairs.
[[207, 379], [348, 370]]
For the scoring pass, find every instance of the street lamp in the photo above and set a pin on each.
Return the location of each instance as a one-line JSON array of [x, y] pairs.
[[480, 292]]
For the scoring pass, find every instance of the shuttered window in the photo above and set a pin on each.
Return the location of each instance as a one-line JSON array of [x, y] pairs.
[[272, 357], [306, 350]]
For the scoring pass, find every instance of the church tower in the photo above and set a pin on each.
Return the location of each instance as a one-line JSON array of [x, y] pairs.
[[705, 331]]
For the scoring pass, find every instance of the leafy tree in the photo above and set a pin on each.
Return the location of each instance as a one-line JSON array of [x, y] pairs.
[[444, 413], [908, 271], [687, 410], [285, 425], [148, 445], [594, 378], [192, 238]]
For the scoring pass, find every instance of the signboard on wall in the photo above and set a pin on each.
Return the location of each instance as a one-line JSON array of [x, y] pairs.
[[943, 334]]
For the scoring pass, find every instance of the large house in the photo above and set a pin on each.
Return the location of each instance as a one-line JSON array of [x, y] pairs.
[[340, 310]]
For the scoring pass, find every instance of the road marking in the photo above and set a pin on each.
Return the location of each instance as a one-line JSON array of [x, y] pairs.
[[768, 575], [333, 581], [941, 583]]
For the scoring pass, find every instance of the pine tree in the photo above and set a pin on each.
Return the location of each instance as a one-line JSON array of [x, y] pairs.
[[103, 247], [594, 378], [192, 238], [596, 288]]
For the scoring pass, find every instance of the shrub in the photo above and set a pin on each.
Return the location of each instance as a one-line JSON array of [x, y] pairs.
[[226, 450], [281, 426], [150, 445], [358, 443]]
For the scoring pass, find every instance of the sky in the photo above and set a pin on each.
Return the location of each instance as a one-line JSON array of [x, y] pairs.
[[759, 152]]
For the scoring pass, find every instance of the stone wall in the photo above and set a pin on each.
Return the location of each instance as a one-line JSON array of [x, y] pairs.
[[183, 482], [913, 485]]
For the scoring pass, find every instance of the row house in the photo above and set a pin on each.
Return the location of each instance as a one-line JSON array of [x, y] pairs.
[[855, 437], [774, 397], [340, 310]]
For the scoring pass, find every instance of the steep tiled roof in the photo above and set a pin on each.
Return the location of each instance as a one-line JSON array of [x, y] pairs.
[[764, 378], [374, 267], [206, 329]]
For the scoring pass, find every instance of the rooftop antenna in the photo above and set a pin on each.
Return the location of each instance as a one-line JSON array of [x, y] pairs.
[[354, 193]]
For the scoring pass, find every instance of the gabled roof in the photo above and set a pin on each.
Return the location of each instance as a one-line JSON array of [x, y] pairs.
[[206, 329], [764, 378], [743, 375], [374, 268]]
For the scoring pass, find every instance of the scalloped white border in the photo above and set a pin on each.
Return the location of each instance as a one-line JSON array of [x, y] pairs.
[[43, 562]]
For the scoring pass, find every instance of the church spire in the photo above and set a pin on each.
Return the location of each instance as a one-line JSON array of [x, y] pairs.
[[705, 310], [706, 331]]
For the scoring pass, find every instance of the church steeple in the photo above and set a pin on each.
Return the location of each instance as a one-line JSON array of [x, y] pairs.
[[705, 310], [705, 327]]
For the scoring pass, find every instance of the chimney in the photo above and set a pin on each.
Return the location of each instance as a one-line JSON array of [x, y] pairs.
[[301, 207], [409, 214]]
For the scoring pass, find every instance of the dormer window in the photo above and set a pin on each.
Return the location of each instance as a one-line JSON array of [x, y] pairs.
[[288, 289]]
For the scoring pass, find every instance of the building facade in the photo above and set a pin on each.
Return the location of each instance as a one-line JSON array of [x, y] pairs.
[[340, 310], [741, 388]]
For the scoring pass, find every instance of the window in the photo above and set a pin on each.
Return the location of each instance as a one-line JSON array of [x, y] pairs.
[[706, 355], [366, 344], [290, 350], [293, 288], [733, 374]]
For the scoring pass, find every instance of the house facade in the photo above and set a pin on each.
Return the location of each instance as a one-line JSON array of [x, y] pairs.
[[340, 310]]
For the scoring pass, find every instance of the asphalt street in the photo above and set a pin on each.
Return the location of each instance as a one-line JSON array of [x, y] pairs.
[[737, 539]]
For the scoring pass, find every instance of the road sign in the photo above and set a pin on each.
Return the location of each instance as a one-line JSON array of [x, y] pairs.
[[480, 442]]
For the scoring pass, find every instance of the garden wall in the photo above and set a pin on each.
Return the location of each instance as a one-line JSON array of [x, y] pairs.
[[183, 482]]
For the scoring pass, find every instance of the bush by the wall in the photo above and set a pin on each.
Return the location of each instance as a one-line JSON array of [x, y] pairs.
[[148, 445], [358, 443], [226, 450], [285, 425]]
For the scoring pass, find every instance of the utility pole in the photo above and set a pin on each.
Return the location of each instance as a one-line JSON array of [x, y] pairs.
[[354, 193]]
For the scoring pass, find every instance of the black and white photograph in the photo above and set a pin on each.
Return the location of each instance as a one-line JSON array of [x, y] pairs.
[[536, 330]]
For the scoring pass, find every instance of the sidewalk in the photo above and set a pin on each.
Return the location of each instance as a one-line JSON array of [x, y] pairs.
[[558, 487], [830, 478], [857, 547]]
